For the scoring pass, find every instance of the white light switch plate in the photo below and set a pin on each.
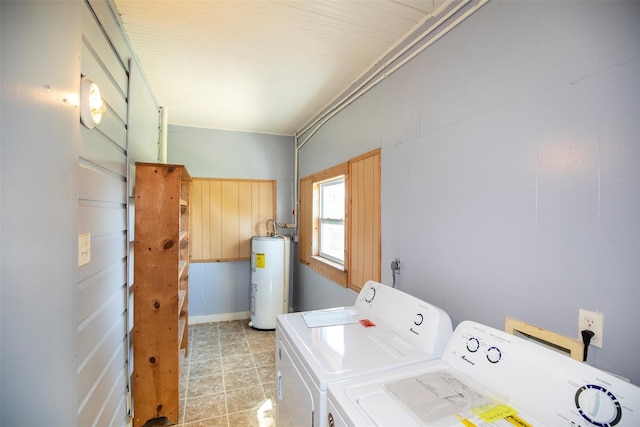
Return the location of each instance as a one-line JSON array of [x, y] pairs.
[[84, 249]]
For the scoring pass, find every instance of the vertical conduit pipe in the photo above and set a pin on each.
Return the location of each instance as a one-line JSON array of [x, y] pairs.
[[164, 125]]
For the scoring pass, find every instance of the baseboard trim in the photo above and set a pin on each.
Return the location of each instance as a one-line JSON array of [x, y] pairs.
[[224, 317]]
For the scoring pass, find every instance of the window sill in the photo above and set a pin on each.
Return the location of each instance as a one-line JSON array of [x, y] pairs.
[[331, 270], [333, 264]]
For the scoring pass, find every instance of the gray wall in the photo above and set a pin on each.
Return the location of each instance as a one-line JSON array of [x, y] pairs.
[[63, 338], [222, 288], [39, 161], [510, 179]]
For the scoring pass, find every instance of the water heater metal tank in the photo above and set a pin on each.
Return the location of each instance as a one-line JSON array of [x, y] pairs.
[[269, 280]]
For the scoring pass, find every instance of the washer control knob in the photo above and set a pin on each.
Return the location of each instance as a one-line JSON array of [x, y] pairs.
[[473, 344], [598, 406], [494, 354], [418, 320], [370, 294]]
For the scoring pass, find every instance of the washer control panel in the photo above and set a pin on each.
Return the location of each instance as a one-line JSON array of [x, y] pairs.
[[549, 385]]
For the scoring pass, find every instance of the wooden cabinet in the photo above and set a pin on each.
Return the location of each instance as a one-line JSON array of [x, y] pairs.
[[160, 298]]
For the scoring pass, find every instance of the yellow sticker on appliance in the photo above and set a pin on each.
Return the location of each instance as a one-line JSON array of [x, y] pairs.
[[260, 261], [464, 421], [493, 412], [517, 421]]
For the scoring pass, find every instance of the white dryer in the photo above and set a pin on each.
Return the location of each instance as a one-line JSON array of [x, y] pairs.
[[487, 378], [385, 328]]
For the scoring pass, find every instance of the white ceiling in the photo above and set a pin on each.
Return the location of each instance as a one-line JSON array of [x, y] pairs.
[[265, 66]]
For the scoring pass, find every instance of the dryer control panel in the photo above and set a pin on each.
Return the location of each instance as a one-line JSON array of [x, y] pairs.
[[423, 325], [549, 385]]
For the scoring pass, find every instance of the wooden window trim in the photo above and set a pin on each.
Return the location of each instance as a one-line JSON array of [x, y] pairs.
[[345, 275], [327, 268]]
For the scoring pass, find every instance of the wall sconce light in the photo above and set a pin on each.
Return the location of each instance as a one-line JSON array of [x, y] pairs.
[[91, 104]]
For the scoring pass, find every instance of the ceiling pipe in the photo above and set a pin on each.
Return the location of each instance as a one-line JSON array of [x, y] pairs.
[[369, 82], [341, 97], [438, 36]]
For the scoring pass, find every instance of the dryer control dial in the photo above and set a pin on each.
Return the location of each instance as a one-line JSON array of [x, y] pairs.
[[370, 294], [418, 320], [598, 406], [473, 344], [494, 354]]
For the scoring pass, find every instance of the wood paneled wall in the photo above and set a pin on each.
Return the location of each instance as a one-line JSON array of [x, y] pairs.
[[365, 241], [225, 214]]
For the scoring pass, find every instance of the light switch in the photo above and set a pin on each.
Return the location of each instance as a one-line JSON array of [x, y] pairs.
[[84, 248]]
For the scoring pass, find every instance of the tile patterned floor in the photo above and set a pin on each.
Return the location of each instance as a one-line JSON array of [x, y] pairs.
[[228, 379]]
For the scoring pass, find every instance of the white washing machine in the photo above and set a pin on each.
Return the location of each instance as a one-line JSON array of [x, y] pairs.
[[384, 329], [487, 378]]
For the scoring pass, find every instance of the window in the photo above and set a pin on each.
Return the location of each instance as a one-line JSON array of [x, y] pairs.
[[340, 221], [331, 219]]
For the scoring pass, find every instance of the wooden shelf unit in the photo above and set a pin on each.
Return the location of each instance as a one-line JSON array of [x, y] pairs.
[[161, 284]]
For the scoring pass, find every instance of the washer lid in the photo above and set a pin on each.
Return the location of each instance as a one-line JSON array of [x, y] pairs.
[[430, 393]]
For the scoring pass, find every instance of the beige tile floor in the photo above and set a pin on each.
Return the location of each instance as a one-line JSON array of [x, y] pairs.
[[228, 378]]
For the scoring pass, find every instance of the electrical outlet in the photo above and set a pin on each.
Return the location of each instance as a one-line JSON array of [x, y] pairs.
[[593, 321]]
